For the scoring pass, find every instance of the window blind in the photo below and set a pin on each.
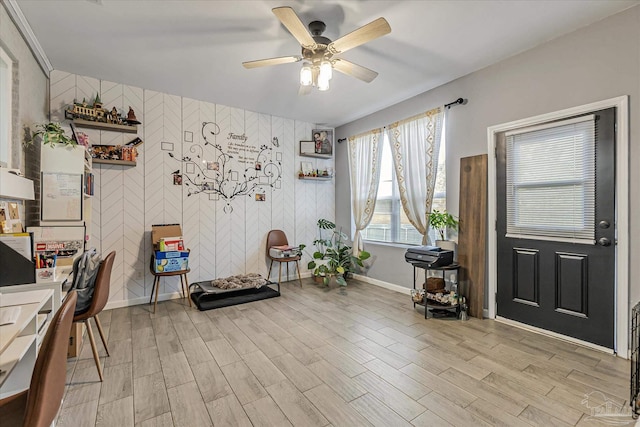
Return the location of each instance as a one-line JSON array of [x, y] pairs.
[[551, 181]]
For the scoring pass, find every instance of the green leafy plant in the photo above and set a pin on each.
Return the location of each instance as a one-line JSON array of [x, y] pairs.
[[338, 256], [52, 133], [441, 221]]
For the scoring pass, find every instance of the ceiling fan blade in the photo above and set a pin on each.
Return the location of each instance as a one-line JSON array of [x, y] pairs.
[[271, 61], [289, 19], [304, 90], [354, 70], [362, 35]]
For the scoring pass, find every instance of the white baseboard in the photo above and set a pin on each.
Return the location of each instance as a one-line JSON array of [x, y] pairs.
[[485, 313], [140, 300], [386, 285]]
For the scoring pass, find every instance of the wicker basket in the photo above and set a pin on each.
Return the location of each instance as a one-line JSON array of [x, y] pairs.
[[434, 284]]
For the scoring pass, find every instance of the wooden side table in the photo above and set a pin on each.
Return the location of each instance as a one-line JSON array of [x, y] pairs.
[[156, 283]]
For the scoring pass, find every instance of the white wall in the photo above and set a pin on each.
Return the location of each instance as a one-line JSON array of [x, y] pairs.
[[597, 62], [129, 200]]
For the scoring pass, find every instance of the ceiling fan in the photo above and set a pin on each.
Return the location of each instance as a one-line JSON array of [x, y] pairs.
[[321, 54]]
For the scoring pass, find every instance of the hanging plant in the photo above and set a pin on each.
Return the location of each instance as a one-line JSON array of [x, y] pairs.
[[52, 133]]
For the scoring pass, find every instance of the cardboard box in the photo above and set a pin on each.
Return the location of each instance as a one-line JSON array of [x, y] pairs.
[[162, 231], [75, 340], [171, 254], [167, 262], [167, 244]]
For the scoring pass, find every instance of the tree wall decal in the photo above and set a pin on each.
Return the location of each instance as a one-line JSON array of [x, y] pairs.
[[224, 175]]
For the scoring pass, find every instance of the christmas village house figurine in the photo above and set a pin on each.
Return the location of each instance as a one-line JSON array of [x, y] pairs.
[[114, 117]]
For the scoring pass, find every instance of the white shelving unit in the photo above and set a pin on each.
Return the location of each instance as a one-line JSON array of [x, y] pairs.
[[20, 342], [67, 160]]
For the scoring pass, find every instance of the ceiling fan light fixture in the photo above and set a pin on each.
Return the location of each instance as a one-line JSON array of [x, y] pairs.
[[306, 76], [318, 51], [323, 82], [326, 70]]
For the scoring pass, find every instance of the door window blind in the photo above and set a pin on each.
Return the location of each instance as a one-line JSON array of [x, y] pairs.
[[551, 181]]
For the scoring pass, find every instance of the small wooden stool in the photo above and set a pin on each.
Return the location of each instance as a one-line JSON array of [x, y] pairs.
[[156, 283]]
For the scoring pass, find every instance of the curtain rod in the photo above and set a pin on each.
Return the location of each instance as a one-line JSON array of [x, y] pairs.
[[459, 101]]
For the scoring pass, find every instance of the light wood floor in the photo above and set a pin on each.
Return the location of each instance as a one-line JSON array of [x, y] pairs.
[[316, 357]]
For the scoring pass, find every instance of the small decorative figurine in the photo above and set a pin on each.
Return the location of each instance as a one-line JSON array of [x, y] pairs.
[[114, 116], [131, 117]]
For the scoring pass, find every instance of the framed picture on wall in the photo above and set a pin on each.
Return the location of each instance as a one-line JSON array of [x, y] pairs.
[[307, 147], [323, 140], [306, 167]]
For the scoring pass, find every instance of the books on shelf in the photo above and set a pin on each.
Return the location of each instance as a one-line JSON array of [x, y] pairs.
[[88, 185]]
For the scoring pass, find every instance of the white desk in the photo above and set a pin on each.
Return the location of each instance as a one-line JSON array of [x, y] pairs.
[[55, 285], [19, 342]]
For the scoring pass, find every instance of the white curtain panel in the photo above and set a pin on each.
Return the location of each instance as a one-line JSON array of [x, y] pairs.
[[415, 143], [364, 169]]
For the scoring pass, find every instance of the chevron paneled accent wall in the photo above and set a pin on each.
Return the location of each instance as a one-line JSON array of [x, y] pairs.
[[251, 159]]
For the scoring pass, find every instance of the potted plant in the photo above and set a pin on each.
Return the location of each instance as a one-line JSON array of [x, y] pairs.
[[441, 221], [52, 133], [333, 257]]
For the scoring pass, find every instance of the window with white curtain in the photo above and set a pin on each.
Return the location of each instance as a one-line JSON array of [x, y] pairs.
[[5, 108], [551, 181], [389, 222]]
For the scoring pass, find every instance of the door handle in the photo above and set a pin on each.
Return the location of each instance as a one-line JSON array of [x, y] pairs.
[[603, 241]]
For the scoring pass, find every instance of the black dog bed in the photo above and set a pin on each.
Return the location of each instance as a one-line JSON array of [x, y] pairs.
[[210, 300]]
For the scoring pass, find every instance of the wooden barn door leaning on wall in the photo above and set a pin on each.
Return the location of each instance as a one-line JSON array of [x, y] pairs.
[[472, 237]]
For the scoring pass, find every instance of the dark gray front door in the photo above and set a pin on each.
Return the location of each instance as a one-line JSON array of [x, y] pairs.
[[555, 227]]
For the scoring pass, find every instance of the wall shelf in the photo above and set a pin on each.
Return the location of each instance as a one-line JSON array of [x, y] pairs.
[[317, 155], [15, 187], [316, 178], [114, 162], [105, 126]]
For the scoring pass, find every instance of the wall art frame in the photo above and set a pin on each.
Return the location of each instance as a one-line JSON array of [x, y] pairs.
[[323, 140]]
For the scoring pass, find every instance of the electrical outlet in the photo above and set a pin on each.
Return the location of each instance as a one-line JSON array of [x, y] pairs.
[[139, 275]]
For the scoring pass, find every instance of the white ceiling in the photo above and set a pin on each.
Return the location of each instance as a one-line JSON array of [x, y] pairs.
[[195, 48]]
